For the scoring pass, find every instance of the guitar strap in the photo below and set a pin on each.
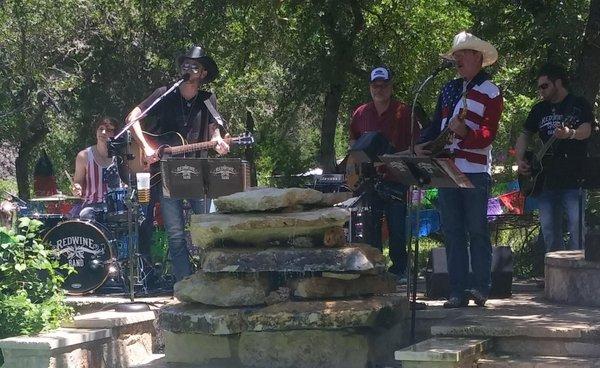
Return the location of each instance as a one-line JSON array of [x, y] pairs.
[[214, 112], [198, 130]]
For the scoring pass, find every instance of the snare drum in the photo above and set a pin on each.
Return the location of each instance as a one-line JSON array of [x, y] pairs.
[[88, 247], [116, 210]]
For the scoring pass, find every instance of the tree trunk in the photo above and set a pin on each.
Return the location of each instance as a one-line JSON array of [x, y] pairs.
[[587, 78], [22, 173], [38, 131], [343, 59], [333, 101]]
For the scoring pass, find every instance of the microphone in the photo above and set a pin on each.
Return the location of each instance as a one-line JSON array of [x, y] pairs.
[[446, 63], [186, 77]]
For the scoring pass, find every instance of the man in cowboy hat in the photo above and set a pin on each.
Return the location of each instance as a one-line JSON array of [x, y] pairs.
[[183, 111], [391, 118], [569, 119], [470, 106]]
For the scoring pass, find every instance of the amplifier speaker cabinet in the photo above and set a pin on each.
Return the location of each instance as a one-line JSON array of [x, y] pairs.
[[226, 176], [197, 177], [436, 274]]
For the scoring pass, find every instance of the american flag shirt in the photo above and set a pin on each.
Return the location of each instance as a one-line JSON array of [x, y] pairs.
[[484, 105]]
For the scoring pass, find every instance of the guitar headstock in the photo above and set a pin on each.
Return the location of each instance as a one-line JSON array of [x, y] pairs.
[[245, 139]]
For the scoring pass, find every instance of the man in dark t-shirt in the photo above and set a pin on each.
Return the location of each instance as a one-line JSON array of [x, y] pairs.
[[568, 118], [185, 111]]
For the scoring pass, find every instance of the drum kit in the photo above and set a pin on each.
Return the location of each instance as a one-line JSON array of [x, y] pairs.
[[98, 248]]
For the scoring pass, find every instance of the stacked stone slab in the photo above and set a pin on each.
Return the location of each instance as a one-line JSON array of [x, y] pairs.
[[279, 287]]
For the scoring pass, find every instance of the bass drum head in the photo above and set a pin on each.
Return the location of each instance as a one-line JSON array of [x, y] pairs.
[[85, 246]]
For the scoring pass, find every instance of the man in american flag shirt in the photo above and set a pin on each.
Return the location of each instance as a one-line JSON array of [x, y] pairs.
[[470, 106]]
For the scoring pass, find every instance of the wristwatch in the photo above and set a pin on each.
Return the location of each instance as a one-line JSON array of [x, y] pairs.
[[573, 132]]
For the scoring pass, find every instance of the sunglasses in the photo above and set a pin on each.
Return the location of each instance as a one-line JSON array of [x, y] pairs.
[[191, 66], [543, 86]]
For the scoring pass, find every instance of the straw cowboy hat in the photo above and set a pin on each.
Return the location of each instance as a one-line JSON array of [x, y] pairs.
[[466, 41]]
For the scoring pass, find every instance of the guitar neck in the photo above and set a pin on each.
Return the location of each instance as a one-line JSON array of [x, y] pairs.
[[201, 146], [545, 147]]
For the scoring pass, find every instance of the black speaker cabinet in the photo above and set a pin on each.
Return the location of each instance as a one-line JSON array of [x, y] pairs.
[[226, 176], [436, 274], [182, 177], [197, 177]]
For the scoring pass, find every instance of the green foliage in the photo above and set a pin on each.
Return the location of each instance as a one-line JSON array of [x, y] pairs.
[[279, 60], [31, 298]]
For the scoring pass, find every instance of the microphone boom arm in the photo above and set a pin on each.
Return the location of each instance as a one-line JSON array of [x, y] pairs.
[[413, 119], [145, 112]]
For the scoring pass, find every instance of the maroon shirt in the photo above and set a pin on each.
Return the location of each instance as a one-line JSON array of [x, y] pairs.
[[394, 123]]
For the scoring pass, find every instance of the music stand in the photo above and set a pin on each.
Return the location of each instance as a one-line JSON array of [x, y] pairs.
[[422, 173]]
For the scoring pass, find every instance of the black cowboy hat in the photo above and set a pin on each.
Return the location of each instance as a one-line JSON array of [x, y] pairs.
[[197, 53]]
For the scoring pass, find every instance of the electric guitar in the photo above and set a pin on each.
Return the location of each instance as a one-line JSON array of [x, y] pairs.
[[531, 184], [173, 144]]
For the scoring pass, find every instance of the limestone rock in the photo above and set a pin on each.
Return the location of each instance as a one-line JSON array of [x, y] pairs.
[[331, 199], [325, 287], [282, 294], [304, 349], [334, 237], [267, 199], [355, 258], [259, 228], [223, 290], [333, 314], [184, 348]]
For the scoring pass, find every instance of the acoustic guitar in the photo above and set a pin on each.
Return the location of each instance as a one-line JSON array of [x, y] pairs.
[[532, 184]]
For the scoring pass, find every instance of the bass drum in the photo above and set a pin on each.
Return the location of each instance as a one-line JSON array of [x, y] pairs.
[[87, 246]]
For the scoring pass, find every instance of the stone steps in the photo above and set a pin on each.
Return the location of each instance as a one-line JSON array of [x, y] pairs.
[[102, 339], [507, 361], [443, 352], [532, 339], [55, 348]]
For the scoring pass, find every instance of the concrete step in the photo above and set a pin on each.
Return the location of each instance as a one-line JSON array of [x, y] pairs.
[[100, 339], [507, 361], [65, 344], [551, 339], [443, 352]]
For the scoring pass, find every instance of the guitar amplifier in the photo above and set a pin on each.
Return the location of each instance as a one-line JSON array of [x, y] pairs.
[[197, 177], [183, 177], [226, 176]]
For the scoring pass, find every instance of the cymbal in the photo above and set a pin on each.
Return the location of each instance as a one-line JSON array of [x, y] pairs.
[[56, 198]]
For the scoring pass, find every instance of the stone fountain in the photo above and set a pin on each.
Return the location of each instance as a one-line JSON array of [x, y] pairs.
[[279, 287]]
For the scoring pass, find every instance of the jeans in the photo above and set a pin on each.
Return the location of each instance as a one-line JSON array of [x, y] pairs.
[[552, 205], [174, 221], [464, 223], [395, 213]]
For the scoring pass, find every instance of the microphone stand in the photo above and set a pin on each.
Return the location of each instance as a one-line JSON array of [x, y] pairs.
[[133, 206], [411, 283]]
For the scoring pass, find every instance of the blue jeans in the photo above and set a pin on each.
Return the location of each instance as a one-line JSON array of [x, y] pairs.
[[464, 222], [395, 213], [174, 221], [552, 205]]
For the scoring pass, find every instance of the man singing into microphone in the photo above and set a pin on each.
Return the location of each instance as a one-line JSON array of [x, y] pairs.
[[183, 111], [470, 107]]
